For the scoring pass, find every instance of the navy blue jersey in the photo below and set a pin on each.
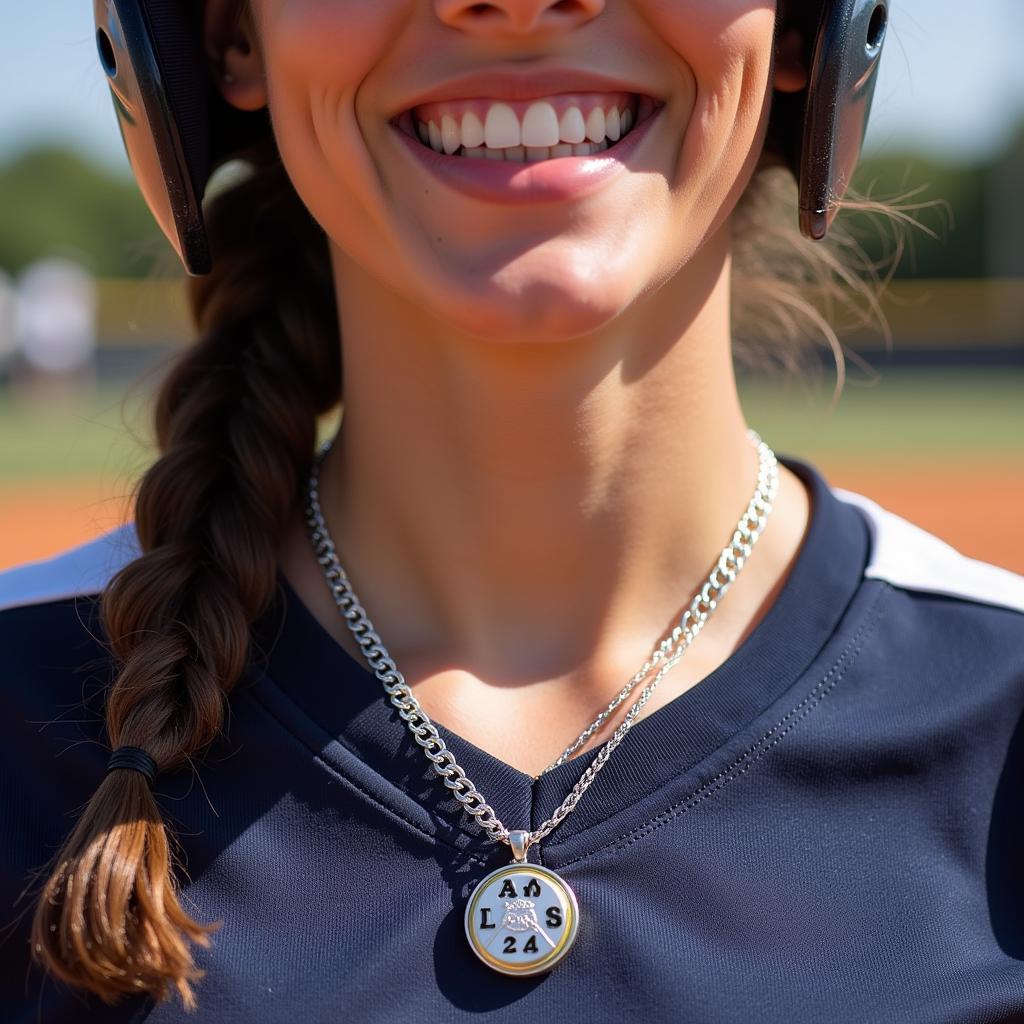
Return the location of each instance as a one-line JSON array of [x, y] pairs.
[[828, 827]]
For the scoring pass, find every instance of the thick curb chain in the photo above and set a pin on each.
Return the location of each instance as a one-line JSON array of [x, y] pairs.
[[730, 562]]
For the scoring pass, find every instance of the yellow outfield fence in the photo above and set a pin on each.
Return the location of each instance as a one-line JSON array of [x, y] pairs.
[[943, 313], [139, 312]]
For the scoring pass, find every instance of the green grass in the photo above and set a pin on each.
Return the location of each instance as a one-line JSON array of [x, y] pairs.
[[66, 436], [929, 414]]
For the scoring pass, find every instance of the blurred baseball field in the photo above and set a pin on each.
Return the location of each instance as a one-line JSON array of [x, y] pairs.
[[943, 447]]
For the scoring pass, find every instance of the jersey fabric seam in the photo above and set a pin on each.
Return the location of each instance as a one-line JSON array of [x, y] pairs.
[[708, 788], [374, 800]]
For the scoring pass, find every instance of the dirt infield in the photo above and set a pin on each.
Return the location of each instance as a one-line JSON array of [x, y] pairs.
[[975, 507], [39, 519]]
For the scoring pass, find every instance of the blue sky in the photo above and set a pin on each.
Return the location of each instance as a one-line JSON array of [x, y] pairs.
[[952, 80]]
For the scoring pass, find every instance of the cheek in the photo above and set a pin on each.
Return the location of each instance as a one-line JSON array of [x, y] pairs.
[[704, 32], [312, 46], [727, 47], [321, 38], [318, 54]]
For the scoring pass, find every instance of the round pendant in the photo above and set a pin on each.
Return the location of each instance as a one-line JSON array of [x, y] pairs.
[[522, 919]]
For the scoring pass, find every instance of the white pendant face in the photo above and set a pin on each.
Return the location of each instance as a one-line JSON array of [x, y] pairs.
[[522, 919]]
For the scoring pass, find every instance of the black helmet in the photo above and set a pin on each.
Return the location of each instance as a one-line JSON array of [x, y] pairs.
[[177, 128]]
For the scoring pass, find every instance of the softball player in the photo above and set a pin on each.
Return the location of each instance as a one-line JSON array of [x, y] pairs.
[[544, 689]]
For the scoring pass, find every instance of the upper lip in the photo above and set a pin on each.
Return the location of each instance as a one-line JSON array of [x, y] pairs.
[[524, 85]]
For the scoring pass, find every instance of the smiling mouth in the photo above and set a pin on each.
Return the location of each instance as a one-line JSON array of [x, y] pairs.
[[577, 125]]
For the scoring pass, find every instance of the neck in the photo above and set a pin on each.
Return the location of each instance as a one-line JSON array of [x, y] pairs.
[[523, 507]]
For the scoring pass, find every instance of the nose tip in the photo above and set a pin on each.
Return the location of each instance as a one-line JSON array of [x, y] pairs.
[[516, 16]]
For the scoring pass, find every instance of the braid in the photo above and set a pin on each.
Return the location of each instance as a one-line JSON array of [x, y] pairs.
[[236, 423]]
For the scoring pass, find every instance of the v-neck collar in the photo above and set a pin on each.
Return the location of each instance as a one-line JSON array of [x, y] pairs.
[[346, 700]]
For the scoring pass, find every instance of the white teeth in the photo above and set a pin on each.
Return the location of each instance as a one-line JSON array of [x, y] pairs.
[[572, 127], [611, 124], [450, 133], [540, 125], [435, 138], [540, 137], [501, 129], [595, 125], [472, 130], [532, 154]]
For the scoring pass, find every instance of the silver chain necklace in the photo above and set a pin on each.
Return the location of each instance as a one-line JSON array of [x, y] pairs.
[[522, 918]]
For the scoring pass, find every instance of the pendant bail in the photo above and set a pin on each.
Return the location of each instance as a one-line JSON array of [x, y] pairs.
[[520, 843]]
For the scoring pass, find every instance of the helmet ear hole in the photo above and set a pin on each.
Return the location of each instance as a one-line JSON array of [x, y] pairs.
[[106, 51], [876, 29]]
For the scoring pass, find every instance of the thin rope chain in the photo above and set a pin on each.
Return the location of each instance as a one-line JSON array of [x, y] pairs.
[[749, 528], [693, 619]]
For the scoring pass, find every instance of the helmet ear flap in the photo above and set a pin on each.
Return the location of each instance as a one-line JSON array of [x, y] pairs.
[[162, 115], [175, 125], [818, 132]]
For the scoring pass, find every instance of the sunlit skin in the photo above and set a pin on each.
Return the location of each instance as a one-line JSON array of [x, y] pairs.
[[542, 451]]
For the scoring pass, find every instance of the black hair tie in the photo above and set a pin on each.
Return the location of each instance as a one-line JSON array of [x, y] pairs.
[[134, 758]]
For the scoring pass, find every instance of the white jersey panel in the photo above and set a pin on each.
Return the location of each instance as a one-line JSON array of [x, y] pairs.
[[911, 558], [73, 573]]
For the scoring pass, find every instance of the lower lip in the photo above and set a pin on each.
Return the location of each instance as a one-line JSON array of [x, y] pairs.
[[551, 180]]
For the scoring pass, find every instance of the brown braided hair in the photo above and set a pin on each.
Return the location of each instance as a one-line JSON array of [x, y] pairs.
[[236, 422]]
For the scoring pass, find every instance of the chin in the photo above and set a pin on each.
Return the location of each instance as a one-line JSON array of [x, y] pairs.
[[533, 310]]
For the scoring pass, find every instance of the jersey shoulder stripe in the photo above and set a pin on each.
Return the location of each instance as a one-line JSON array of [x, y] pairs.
[[901, 553], [77, 572], [911, 558]]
